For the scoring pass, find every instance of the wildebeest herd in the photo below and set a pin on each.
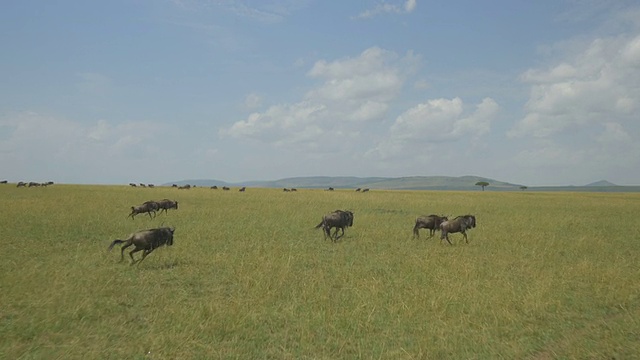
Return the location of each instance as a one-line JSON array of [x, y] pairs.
[[338, 220]]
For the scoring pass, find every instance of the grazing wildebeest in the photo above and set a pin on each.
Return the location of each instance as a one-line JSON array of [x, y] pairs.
[[365, 190], [214, 187], [21, 184], [142, 185], [431, 222], [286, 190], [3, 182], [329, 189], [166, 204], [187, 187], [225, 188], [174, 185], [459, 224], [338, 219], [33, 183], [147, 240], [242, 189], [151, 185], [132, 185], [147, 207], [358, 189], [294, 189]]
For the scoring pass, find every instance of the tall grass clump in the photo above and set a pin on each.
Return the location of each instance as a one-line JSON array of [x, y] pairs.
[[545, 275]]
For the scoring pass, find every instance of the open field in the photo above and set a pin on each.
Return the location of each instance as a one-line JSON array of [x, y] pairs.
[[545, 276]]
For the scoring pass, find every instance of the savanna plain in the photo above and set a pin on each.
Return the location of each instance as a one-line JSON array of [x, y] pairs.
[[544, 276]]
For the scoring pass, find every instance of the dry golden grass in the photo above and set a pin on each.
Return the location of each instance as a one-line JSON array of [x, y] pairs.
[[545, 276]]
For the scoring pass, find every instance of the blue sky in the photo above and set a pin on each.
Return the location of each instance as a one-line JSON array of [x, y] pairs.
[[529, 92]]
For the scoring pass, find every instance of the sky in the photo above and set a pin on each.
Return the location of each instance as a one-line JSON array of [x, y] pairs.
[[538, 93]]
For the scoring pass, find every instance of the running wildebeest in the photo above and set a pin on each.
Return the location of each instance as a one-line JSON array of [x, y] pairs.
[[431, 222], [147, 240], [338, 219], [148, 207], [166, 204], [459, 224]]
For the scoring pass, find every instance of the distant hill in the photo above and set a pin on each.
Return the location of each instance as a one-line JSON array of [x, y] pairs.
[[601, 183], [351, 182], [406, 183]]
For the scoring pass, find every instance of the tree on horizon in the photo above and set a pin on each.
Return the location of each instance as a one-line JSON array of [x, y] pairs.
[[483, 184]]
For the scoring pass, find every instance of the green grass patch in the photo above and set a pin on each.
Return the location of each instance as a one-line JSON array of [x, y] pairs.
[[545, 275]]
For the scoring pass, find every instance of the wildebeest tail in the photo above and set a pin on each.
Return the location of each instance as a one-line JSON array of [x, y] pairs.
[[115, 242], [319, 225]]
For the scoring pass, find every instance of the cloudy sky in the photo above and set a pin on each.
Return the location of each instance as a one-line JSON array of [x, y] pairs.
[[529, 92]]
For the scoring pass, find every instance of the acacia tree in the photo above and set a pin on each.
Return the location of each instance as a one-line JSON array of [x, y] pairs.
[[483, 184]]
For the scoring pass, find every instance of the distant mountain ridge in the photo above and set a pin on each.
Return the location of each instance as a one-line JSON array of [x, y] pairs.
[[467, 182], [400, 183]]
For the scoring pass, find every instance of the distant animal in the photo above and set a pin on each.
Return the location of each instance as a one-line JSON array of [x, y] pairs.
[[339, 219], [294, 189], [225, 188], [187, 187], [33, 183], [142, 185], [146, 240], [431, 222], [358, 189], [329, 189], [151, 185], [174, 185], [3, 182], [214, 187], [242, 189], [166, 204], [147, 207], [132, 185], [21, 184], [286, 190], [365, 190], [458, 225]]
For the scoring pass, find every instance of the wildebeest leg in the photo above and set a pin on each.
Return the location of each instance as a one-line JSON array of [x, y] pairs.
[[446, 237], [133, 261], [122, 250], [144, 255], [465, 237]]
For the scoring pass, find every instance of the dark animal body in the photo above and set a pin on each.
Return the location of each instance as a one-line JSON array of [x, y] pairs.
[[148, 207], [431, 222], [458, 225], [145, 240], [338, 219], [166, 204]]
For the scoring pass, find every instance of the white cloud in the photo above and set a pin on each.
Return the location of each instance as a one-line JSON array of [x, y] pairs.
[[598, 85], [66, 150], [353, 91], [385, 7], [436, 121]]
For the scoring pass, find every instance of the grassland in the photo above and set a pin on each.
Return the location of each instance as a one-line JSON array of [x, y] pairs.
[[545, 276]]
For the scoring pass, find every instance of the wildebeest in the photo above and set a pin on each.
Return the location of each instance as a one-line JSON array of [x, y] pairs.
[[147, 207], [166, 204], [33, 183], [214, 187], [187, 187], [431, 222], [329, 189], [338, 219], [294, 189], [174, 185], [459, 224], [358, 189], [225, 188], [3, 182], [151, 185], [365, 190], [242, 189], [21, 184], [147, 240], [132, 185]]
